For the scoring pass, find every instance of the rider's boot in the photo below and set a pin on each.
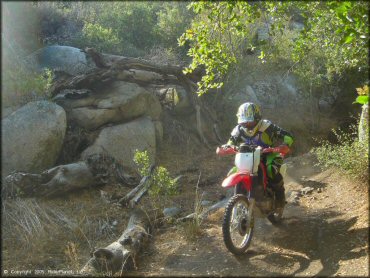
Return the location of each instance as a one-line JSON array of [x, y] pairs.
[[280, 197], [279, 189]]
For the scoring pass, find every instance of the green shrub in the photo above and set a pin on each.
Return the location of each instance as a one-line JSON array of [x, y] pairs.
[[102, 38], [21, 86], [162, 183], [349, 156]]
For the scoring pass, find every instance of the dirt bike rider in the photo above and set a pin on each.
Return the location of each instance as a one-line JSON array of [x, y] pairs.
[[254, 130]]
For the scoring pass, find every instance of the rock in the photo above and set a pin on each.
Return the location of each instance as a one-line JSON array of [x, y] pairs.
[[174, 97], [307, 190], [62, 58], [247, 95], [122, 140], [266, 92], [32, 137], [119, 102], [158, 131], [6, 111], [182, 102], [304, 178], [171, 212], [294, 197]]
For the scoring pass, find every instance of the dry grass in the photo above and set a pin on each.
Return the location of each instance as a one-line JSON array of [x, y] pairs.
[[72, 254], [192, 229], [54, 234], [216, 217]]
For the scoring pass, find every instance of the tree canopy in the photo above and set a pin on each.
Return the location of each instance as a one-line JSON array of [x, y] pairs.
[[318, 40]]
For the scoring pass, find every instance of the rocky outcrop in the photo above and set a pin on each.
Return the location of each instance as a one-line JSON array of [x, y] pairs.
[[121, 141], [32, 137], [282, 101], [119, 102]]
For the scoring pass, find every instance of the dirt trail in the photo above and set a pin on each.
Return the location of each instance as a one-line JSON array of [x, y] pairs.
[[324, 233]]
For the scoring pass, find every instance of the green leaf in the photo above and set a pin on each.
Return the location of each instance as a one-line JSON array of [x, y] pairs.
[[362, 99], [262, 55], [349, 38]]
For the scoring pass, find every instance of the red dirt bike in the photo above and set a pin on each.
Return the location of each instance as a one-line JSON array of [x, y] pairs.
[[252, 197]]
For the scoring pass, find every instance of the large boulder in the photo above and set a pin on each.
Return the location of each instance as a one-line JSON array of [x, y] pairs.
[[68, 59], [122, 140], [32, 137], [119, 102], [271, 92]]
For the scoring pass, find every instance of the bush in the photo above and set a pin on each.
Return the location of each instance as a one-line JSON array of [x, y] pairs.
[[162, 183], [101, 38], [116, 27], [21, 86], [350, 156]]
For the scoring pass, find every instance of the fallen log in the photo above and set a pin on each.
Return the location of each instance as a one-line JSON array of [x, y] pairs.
[[122, 254], [60, 179], [97, 169], [123, 68]]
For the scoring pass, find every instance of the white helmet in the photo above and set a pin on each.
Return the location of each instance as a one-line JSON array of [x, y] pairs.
[[249, 117]]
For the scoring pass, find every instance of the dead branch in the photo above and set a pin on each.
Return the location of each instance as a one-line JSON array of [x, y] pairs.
[[206, 212], [138, 190]]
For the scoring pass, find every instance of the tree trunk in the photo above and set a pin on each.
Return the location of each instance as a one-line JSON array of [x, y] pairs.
[[363, 127], [121, 254]]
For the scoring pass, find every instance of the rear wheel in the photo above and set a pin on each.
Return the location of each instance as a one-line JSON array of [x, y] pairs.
[[238, 224]]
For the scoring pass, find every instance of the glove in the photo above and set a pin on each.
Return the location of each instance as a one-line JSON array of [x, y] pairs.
[[284, 148]]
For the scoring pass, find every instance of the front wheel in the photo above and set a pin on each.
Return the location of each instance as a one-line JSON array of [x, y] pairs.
[[237, 227]]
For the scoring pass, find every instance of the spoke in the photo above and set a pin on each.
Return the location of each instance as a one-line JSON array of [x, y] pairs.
[[240, 211], [234, 227]]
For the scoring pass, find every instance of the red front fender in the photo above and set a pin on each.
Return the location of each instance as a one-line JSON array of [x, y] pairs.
[[236, 178]]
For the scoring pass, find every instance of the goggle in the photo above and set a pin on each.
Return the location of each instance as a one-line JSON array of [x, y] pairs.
[[249, 124]]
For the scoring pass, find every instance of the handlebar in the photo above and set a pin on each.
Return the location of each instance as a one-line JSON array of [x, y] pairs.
[[283, 150], [228, 150]]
